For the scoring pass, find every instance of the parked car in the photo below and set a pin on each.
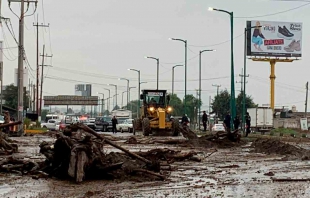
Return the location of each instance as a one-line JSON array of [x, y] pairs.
[[126, 125], [61, 125], [51, 124], [218, 127], [92, 120], [103, 123], [88, 123]]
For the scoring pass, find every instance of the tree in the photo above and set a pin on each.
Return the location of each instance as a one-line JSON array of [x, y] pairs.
[[221, 104], [176, 104], [10, 95], [248, 103]]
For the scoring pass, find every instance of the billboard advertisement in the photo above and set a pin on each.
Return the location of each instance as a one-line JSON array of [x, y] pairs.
[[71, 100], [274, 39]]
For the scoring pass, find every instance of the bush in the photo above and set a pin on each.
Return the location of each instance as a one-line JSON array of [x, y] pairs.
[[27, 122], [38, 124], [304, 135], [271, 133], [281, 134]]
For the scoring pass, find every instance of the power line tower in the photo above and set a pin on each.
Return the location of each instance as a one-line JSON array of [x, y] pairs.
[[42, 78], [242, 81], [217, 88], [38, 66], [21, 53]]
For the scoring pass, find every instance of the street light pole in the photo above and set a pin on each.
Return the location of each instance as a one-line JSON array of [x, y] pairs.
[[157, 59], [232, 75], [129, 97], [138, 89], [200, 52], [115, 94], [123, 98], [108, 106], [185, 67], [173, 77], [127, 89]]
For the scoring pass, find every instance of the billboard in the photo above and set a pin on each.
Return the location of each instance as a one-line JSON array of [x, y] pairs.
[[275, 39], [71, 100]]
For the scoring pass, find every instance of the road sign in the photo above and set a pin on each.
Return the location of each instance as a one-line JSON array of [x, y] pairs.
[[70, 100]]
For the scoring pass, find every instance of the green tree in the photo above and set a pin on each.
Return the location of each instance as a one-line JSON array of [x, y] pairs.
[[248, 103], [10, 95], [221, 104], [176, 104], [192, 106]]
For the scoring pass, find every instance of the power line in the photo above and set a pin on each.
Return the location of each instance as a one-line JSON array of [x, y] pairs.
[[216, 44], [272, 14]]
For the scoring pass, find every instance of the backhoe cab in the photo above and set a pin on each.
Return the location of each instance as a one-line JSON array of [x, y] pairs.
[[155, 113]]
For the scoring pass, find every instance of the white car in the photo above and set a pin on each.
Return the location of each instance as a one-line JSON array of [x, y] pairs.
[[51, 124], [218, 127], [125, 126]]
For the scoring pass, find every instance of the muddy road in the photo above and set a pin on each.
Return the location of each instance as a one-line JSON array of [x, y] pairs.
[[234, 172]]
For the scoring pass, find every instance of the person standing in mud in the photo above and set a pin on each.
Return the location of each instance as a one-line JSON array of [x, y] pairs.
[[114, 123], [247, 123], [236, 122], [227, 121], [204, 121]]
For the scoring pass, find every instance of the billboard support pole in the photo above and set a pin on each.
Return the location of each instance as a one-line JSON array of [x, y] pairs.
[[272, 77]]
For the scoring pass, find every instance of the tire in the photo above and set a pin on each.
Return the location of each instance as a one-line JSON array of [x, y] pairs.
[[44, 127], [146, 129], [104, 128], [136, 125], [175, 128]]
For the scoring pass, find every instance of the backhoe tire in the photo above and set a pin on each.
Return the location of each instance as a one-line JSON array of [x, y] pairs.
[[175, 127], [146, 128], [136, 125]]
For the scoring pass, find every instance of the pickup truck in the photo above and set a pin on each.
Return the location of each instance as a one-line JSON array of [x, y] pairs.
[[50, 124], [125, 126]]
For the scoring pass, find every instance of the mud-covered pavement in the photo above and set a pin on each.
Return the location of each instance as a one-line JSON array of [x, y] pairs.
[[235, 172]]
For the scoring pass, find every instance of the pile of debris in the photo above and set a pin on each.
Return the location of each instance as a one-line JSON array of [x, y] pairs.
[[273, 146], [78, 153], [7, 146]]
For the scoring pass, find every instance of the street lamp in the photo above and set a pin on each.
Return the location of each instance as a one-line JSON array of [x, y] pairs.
[[244, 75], [102, 102], [157, 59], [185, 64], [173, 76], [115, 96], [108, 106], [127, 88], [115, 93], [123, 98], [129, 97], [200, 52], [139, 83], [232, 82]]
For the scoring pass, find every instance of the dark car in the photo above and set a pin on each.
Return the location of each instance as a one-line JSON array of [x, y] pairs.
[[103, 123]]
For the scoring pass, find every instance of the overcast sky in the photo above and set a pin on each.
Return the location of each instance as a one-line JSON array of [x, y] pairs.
[[97, 41]]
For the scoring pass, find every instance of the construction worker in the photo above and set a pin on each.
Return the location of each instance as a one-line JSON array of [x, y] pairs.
[[236, 122], [184, 120], [227, 121], [248, 124], [204, 121]]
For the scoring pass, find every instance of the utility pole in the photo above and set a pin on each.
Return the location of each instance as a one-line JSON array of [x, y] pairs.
[[306, 104], [217, 88], [20, 80], [38, 66], [43, 56], [243, 82], [34, 98]]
